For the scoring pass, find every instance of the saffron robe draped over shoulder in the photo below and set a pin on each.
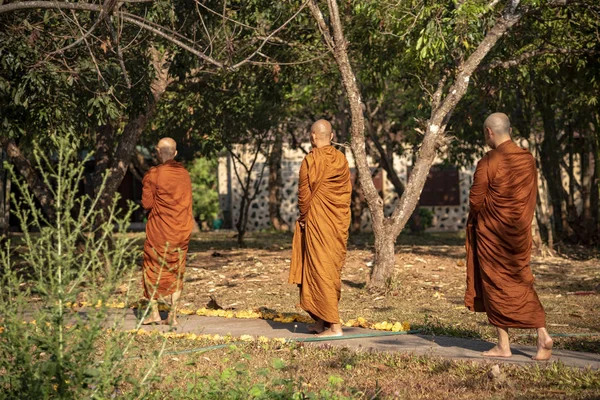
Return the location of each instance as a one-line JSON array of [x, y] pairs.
[[167, 194], [319, 250], [502, 204]]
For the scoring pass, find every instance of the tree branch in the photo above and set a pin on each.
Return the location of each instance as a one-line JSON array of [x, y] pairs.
[[247, 59], [323, 28], [534, 53]]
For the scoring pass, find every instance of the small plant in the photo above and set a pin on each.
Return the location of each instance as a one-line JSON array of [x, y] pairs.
[[48, 347], [421, 219]]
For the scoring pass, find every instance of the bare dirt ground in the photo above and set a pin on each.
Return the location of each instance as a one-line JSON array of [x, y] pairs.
[[427, 291]]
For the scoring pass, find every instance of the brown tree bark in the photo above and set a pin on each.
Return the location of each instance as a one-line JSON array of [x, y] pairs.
[[275, 185], [386, 230], [550, 156], [30, 175], [116, 162]]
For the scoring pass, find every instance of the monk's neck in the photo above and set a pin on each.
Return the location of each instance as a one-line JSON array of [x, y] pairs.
[[320, 146], [504, 142]]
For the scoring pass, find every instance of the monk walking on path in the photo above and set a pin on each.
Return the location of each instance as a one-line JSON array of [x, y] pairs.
[[319, 247], [502, 204], [167, 195]]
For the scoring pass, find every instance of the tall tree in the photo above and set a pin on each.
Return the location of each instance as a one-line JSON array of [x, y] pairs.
[[452, 84]]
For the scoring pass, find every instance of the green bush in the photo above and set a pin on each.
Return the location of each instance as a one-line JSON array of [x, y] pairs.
[[47, 349], [203, 173], [420, 220]]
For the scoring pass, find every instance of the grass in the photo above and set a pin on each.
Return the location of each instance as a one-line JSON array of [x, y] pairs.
[[275, 370]]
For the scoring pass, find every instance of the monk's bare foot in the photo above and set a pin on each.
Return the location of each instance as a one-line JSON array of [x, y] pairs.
[[544, 349], [497, 352], [173, 323], [316, 328], [152, 320], [330, 333]]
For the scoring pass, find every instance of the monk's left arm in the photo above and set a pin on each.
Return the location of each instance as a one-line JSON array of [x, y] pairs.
[[479, 188], [304, 193], [149, 189]]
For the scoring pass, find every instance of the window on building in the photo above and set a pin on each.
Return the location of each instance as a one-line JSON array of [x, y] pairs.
[[442, 187]]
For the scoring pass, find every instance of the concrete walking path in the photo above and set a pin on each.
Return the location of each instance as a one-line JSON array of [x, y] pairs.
[[440, 346]]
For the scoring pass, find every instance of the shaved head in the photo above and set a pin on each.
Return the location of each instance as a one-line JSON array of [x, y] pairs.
[[498, 123], [496, 129], [321, 133], [167, 148]]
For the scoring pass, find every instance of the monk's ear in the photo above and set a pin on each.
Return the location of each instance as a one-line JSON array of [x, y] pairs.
[[331, 136], [175, 155]]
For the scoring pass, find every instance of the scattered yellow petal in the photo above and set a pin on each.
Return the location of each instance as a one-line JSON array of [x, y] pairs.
[[247, 338]]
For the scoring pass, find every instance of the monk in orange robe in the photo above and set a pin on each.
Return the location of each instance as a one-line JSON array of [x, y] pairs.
[[167, 196], [502, 204], [319, 246]]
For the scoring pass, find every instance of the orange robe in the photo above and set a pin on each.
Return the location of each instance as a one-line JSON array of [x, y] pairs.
[[167, 194], [319, 250], [502, 204]]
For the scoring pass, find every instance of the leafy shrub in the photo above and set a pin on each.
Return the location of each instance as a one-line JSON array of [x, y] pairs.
[[48, 348], [203, 172]]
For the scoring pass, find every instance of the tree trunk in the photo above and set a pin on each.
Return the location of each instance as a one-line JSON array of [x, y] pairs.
[[550, 155], [356, 206], [587, 224], [118, 161], [441, 110], [242, 219], [32, 179], [385, 256], [275, 185]]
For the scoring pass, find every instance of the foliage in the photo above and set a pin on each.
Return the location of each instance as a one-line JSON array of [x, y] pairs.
[[243, 382], [47, 349], [203, 172]]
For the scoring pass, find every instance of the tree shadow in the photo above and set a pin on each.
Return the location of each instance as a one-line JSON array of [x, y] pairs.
[[356, 285]]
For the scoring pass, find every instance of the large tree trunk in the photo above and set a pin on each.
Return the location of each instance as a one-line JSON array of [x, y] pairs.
[[441, 109], [550, 156], [275, 185], [32, 178], [117, 162], [385, 257], [587, 233]]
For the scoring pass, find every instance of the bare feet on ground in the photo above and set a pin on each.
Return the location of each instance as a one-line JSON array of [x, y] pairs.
[[330, 333], [151, 320], [334, 330], [171, 321], [316, 328], [497, 352], [544, 349]]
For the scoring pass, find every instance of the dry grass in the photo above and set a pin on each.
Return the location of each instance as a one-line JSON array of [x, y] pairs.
[[427, 291], [279, 370]]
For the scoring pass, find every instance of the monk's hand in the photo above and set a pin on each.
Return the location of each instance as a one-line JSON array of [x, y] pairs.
[[301, 223]]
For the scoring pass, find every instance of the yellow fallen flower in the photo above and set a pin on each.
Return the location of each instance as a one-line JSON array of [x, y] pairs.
[[263, 339], [247, 338]]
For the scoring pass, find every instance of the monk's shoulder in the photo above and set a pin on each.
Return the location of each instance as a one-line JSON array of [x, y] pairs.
[[309, 158], [151, 173]]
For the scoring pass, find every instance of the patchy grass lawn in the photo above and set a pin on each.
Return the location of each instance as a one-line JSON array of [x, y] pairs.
[[428, 288], [275, 370]]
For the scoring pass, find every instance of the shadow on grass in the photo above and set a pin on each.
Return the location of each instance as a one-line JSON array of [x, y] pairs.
[[438, 328], [356, 285], [364, 241]]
